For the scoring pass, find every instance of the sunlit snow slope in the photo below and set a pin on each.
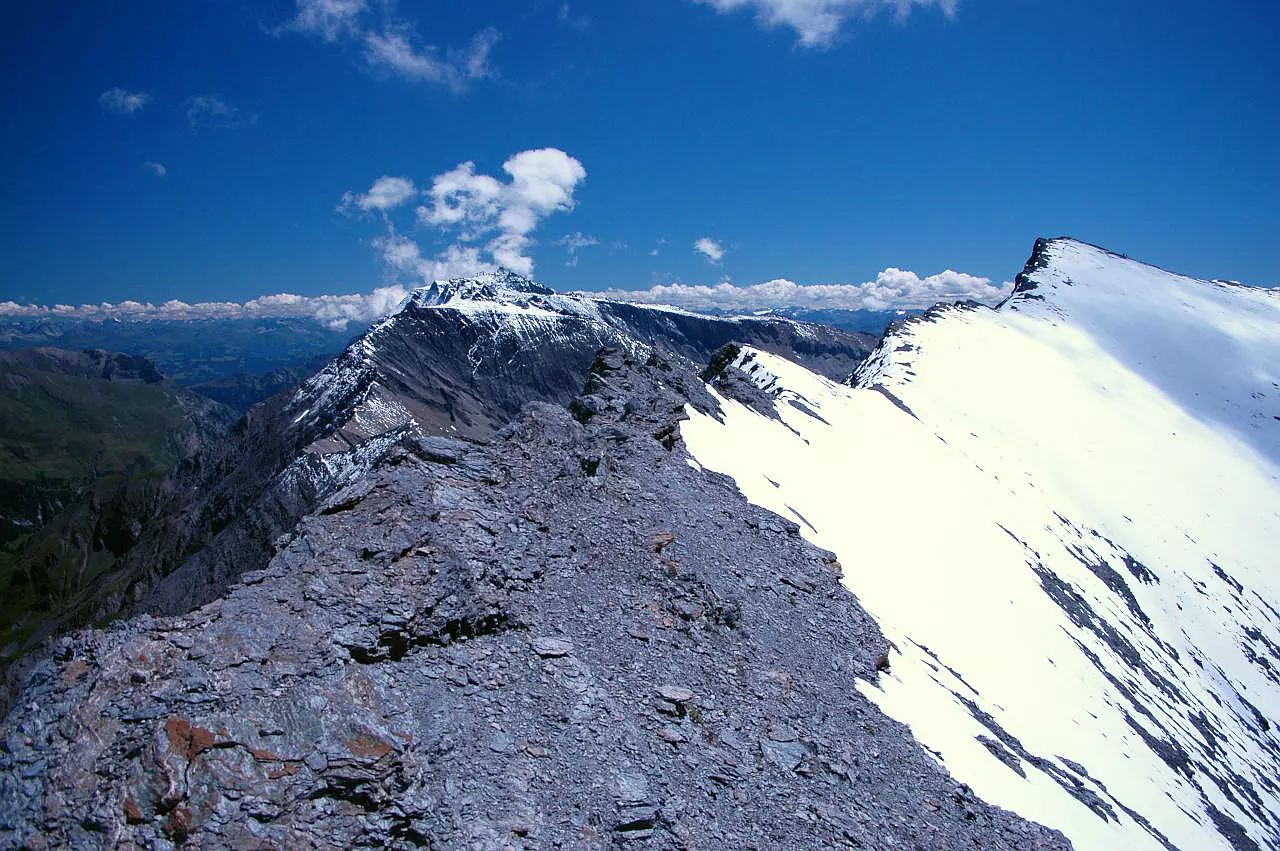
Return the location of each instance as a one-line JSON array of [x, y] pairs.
[[1065, 513]]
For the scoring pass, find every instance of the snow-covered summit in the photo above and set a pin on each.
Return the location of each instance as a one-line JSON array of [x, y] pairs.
[[1210, 346], [499, 287], [1064, 512], [498, 294]]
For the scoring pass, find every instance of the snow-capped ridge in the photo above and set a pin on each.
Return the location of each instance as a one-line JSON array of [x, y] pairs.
[[1212, 347], [1057, 263], [1023, 283], [1070, 539]]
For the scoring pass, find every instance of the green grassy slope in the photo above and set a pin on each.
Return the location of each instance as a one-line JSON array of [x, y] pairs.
[[86, 449]]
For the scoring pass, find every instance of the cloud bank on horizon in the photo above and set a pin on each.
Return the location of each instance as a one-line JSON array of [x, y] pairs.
[[334, 311], [892, 289], [817, 22]]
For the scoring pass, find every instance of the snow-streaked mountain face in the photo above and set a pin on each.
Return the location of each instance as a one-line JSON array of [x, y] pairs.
[[1065, 512], [461, 357]]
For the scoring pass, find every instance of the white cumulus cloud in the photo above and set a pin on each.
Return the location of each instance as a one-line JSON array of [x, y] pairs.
[[386, 194], [817, 22], [489, 221], [123, 102], [892, 289], [463, 198], [710, 249]]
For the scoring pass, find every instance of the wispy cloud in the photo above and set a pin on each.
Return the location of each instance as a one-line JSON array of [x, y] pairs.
[[817, 22], [155, 168], [710, 249], [334, 311], [390, 44], [892, 289], [394, 51], [404, 258], [575, 242], [211, 111], [123, 102], [329, 20], [568, 19]]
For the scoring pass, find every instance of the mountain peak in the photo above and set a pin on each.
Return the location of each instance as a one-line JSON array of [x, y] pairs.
[[1066, 271], [501, 286]]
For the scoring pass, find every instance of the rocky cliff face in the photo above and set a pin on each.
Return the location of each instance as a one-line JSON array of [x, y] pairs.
[[570, 635]]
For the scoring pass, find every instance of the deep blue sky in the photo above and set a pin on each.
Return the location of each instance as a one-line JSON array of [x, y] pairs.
[[939, 142]]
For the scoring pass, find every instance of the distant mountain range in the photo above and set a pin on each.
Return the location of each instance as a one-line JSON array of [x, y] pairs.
[[237, 359], [462, 357], [862, 321]]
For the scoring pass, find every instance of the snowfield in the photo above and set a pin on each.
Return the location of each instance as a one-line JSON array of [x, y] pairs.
[[1065, 513]]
